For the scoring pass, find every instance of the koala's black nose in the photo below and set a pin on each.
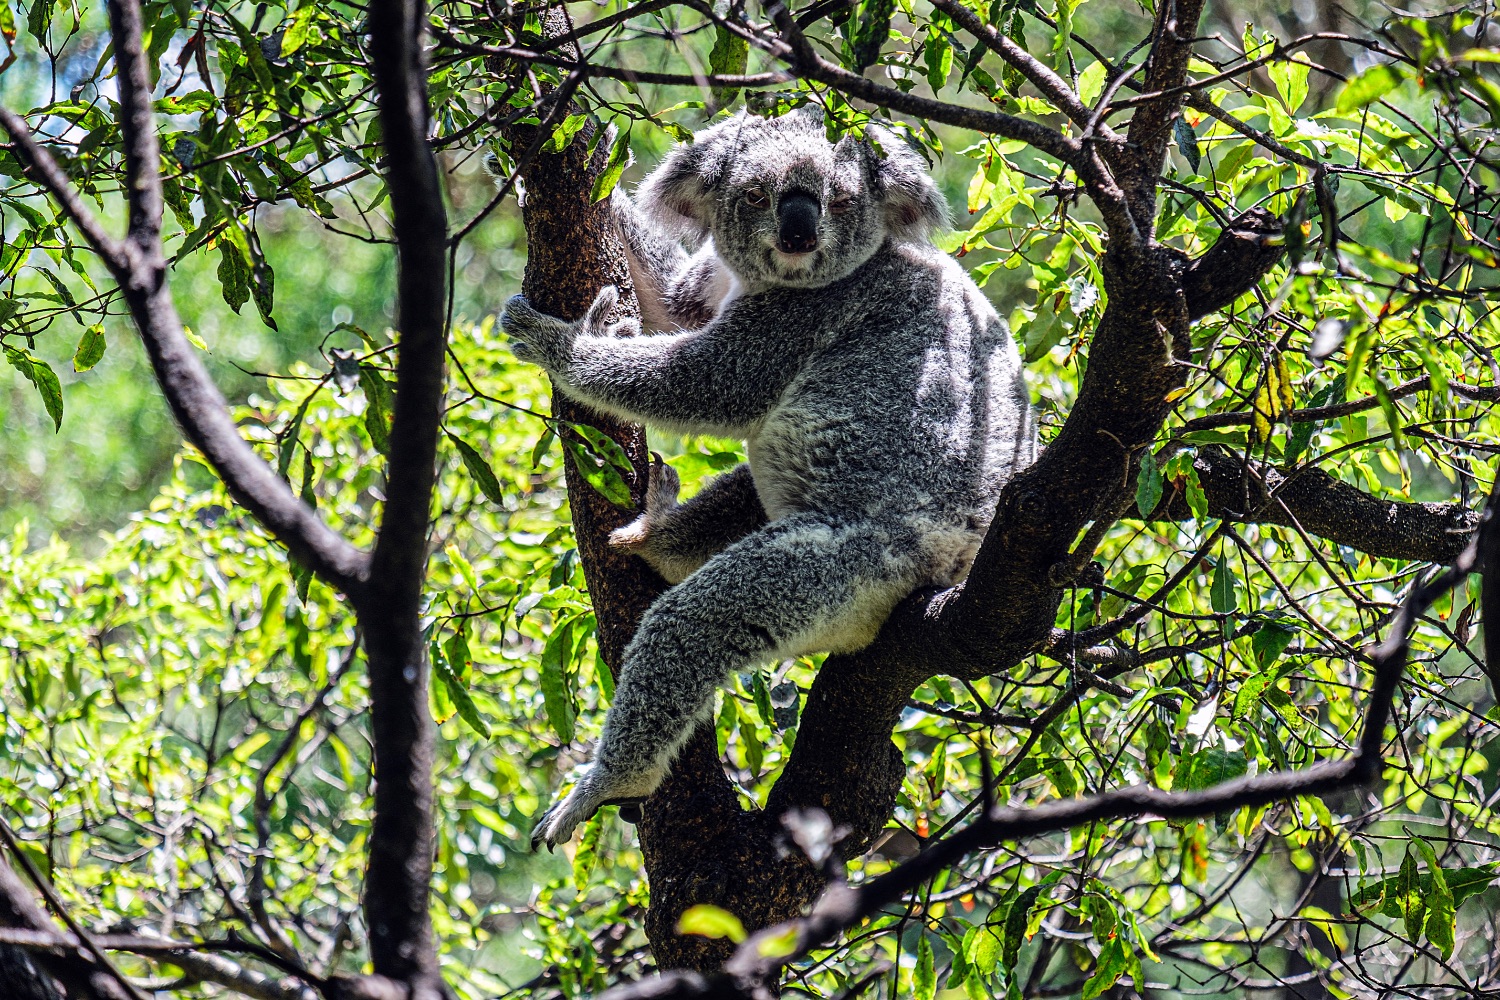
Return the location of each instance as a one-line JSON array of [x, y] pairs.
[[797, 222]]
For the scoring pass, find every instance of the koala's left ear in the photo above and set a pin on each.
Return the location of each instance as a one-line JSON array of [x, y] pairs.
[[913, 205]]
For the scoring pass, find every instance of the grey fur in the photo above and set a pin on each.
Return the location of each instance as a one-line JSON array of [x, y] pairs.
[[882, 399]]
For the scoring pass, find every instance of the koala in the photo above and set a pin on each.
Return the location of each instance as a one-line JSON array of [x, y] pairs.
[[881, 398]]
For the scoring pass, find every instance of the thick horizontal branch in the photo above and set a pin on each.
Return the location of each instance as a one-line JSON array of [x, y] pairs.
[[1247, 248], [1329, 508]]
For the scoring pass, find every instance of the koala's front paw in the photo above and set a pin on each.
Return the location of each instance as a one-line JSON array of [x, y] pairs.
[[661, 499], [535, 337], [548, 341]]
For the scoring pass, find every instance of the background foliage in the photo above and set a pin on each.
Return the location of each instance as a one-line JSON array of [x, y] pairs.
[[185, 746]]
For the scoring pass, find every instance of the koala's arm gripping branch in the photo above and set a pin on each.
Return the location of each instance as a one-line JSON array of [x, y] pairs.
[[704, 381]]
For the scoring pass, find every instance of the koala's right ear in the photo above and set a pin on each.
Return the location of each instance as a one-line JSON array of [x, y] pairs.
[[679, 194]]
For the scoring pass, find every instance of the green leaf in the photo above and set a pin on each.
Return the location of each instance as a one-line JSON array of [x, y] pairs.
[[1369, 86], [563, 134], [1409, 896], [1223, 593], [1439, 900], [619, 158], [1114, 961], [41, 375], [543, 442], [234, 276], [938, 56], [1148, 485], [456, 690], [1270, 642], [729, 56], [1290, 77], [1016, 920], [587, 855], [924, 975], [557, 680], [479, 469], [1208, 767], [379, 403], [602, 475], [707, 920], [90, 348], [872, 27], [1187, 143], [298, 32]]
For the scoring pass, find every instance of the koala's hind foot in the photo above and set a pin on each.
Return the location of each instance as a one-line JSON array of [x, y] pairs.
[[595, 789], [677, 538], [662, 487]]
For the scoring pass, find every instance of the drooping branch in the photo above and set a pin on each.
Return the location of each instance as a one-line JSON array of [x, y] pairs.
[[399, 873], [139, 267]]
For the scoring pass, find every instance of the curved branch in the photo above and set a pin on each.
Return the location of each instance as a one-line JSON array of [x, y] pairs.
[[1243, 418], [805, 62], [1053, 87], [139, 267]]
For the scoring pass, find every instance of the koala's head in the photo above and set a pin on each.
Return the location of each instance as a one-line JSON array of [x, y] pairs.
[[787, 207]]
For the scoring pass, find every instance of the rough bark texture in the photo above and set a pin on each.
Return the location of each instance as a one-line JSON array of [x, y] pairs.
[[1330, 508], [43, 975]]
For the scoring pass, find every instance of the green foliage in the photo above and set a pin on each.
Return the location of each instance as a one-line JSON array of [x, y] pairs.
[[185, 726]]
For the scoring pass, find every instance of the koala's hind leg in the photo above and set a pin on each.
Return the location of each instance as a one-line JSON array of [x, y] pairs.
[[676, 538], [800, 584]]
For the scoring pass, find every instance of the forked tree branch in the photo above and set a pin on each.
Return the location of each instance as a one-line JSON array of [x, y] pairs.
[[798, 53], [750, 973], [1053, 87]]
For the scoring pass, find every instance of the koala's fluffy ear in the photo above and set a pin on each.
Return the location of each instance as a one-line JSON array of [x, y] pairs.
[[679, 194], [914, 206]]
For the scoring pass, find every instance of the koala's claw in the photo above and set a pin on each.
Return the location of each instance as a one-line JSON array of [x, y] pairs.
[[662, 488]]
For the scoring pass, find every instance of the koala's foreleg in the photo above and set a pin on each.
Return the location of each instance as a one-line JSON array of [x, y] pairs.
[[805, 582], [677, 538]]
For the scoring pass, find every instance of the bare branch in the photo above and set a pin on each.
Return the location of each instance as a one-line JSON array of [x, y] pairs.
[[1241, 418], [399, 873]]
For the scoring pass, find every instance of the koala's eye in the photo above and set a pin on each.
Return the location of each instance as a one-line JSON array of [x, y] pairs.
[[757, 198], [841, 205]]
